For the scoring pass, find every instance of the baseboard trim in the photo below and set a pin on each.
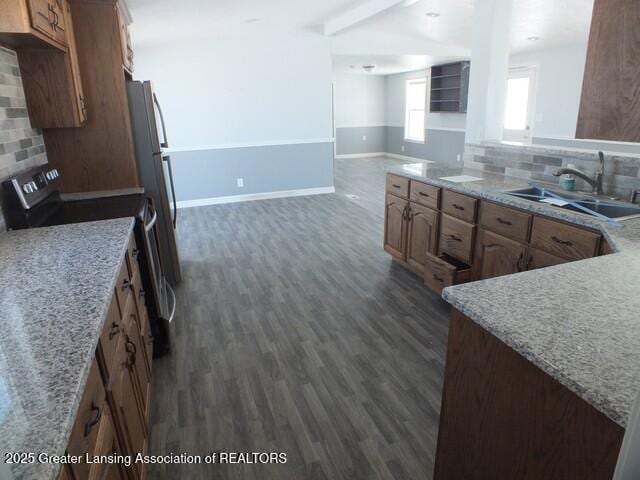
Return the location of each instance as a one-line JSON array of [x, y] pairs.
[[404, 157], [360, 155], [255, 196]]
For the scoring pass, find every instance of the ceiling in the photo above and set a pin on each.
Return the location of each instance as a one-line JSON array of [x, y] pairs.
[[397, 39], [385, 64]]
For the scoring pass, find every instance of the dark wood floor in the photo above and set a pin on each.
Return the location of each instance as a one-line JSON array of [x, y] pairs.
[[296, 333]]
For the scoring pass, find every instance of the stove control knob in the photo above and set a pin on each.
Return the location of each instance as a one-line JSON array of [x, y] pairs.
[[49, 175], [55, 173], [34, 186], [27, 188]]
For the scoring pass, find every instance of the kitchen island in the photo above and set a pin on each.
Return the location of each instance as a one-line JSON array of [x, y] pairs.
[[543, 366]]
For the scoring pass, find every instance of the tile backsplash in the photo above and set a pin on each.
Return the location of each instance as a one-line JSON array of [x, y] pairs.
[[622, 171], [21, 147]]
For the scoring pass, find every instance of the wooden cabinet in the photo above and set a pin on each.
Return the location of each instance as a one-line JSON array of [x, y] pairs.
[[114, 411], [395, 226], [424, 194], [125, 41], [422, 237], [33, 24], [398, 186], [611, 84], [505, 221], [539, 259], [457, 238], [562, 240], [497, 256], [460, 206], [443, 271], [51, 76]]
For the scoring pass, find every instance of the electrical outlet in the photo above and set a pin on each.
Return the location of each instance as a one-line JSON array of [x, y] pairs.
[[364, 138], [240, 182], [403, 148]]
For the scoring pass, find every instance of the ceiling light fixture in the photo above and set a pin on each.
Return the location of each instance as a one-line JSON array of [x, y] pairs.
[[432, 14], [533, 39], [252, 20], [368, 68]]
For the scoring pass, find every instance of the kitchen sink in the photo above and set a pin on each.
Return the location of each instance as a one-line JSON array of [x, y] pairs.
[[585, 204]]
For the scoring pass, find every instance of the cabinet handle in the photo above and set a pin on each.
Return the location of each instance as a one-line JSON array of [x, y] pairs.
[[405, 213], [457, 207], [142, 292], [126, 285], [520, 263], [115, 330], [135, 253], [92, 423], [422, 194], [131, 351], [566, 243], [439, 279], [455, 238], [395, 186], [504, 222]]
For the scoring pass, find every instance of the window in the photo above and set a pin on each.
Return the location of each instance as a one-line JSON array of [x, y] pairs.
[[415, 109], [518, 115]]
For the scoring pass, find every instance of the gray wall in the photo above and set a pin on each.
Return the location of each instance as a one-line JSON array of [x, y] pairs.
[[213, 173], [21, 147], [349, 140], [439, 146]]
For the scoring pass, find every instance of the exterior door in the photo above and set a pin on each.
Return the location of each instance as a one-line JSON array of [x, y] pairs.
[[520, 103], [395, 226], [422, 235], [498, 256]]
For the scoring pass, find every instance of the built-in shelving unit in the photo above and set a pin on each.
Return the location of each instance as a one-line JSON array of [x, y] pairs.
[[449, 87]]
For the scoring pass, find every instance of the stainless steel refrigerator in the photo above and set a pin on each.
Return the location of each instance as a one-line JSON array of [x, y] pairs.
[[154, 169]]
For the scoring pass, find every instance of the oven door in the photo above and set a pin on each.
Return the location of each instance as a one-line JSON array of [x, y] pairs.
[[156, 275]]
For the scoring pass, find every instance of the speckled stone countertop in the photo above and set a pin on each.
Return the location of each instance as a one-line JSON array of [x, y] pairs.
[[56, 284], [579, 322]]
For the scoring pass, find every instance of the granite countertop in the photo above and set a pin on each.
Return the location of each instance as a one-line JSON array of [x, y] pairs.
[[579, 322], [56, 285]]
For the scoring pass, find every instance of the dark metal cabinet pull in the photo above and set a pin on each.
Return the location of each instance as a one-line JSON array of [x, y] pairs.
[[566, 243], [135, 253], [115, 330], [395, 186], [439, 279], [422, 194], [457, 207], [504, 222], [131, 351], [520, 266], [455, 238], [92, 423], [142, 292], [126, 284]]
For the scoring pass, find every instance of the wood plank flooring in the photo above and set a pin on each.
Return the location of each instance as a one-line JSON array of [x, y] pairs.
[[296, 333]]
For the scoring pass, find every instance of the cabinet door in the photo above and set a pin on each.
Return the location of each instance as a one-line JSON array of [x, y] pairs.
[[422, 235], [395, 226], [75, 66], [540, 259], [125, 44], [107, 444], [498, 256], [138, 359]]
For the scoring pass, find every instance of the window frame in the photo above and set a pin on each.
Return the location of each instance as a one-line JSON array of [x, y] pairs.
[[424, 80]]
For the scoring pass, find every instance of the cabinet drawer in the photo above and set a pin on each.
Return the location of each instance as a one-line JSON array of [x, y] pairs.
[[424, 194], [123, 287], [540, 259], [398, 186], [87, 425], [111, 334], [505, 221], [460, 206], [563, 240], [133, 255], [443, 271], [457, 238]]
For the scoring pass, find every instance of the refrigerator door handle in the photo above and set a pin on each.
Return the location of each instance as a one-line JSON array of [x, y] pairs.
[[167, 158], [165, 143]]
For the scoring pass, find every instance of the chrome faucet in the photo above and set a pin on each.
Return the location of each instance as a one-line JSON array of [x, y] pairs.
[[595, 182]]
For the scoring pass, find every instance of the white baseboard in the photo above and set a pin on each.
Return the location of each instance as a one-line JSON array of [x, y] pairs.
[[255, 196], [360, 155], [404, 157]]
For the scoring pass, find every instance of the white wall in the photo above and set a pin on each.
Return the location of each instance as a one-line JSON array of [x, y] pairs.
[[259, 87], [395, 105], [359, 100], [559, 85]]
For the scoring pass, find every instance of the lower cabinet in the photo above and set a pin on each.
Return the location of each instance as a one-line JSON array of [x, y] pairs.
[[540, 259], [422, 235], [497, 256], [114, 410], [395, 226]]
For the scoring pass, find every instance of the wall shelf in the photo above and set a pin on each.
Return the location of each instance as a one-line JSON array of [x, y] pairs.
[[449, 87]]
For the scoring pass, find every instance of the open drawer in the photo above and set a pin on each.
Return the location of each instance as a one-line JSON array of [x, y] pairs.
[[443, 271]]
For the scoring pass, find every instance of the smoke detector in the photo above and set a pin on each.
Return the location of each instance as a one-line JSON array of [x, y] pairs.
[[368, 68]]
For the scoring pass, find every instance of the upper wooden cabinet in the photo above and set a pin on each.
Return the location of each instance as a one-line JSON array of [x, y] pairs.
[[125, 40], [50, 75], [611, 85]]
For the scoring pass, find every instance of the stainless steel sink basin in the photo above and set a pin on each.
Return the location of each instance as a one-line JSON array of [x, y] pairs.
[[585, 204]]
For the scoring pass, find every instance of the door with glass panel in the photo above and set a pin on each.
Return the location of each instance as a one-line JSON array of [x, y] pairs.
[[519, 114]]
